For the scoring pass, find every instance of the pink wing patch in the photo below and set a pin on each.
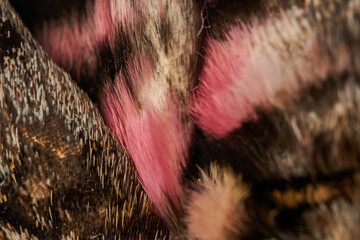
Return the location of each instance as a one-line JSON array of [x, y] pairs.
[[256, 67], [72, 41], [155, 137]]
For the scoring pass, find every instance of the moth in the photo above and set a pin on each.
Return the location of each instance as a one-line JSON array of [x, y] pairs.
[[189, 119]]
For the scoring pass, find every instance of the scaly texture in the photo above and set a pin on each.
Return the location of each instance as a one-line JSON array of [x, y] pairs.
[[63, 175], [277, 103], [147, 107]]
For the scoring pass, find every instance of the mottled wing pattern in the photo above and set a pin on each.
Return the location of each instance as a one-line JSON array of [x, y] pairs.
[[62, 173], [240, 117]]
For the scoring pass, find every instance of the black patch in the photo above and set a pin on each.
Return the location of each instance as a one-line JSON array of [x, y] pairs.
[[34, 12]]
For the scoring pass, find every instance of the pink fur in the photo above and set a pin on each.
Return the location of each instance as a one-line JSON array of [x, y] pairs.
[[216, 208], [153, 135], [69, 43], [255, 67], [109, 15], [122, 13], [73, 40], [102, 20]]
